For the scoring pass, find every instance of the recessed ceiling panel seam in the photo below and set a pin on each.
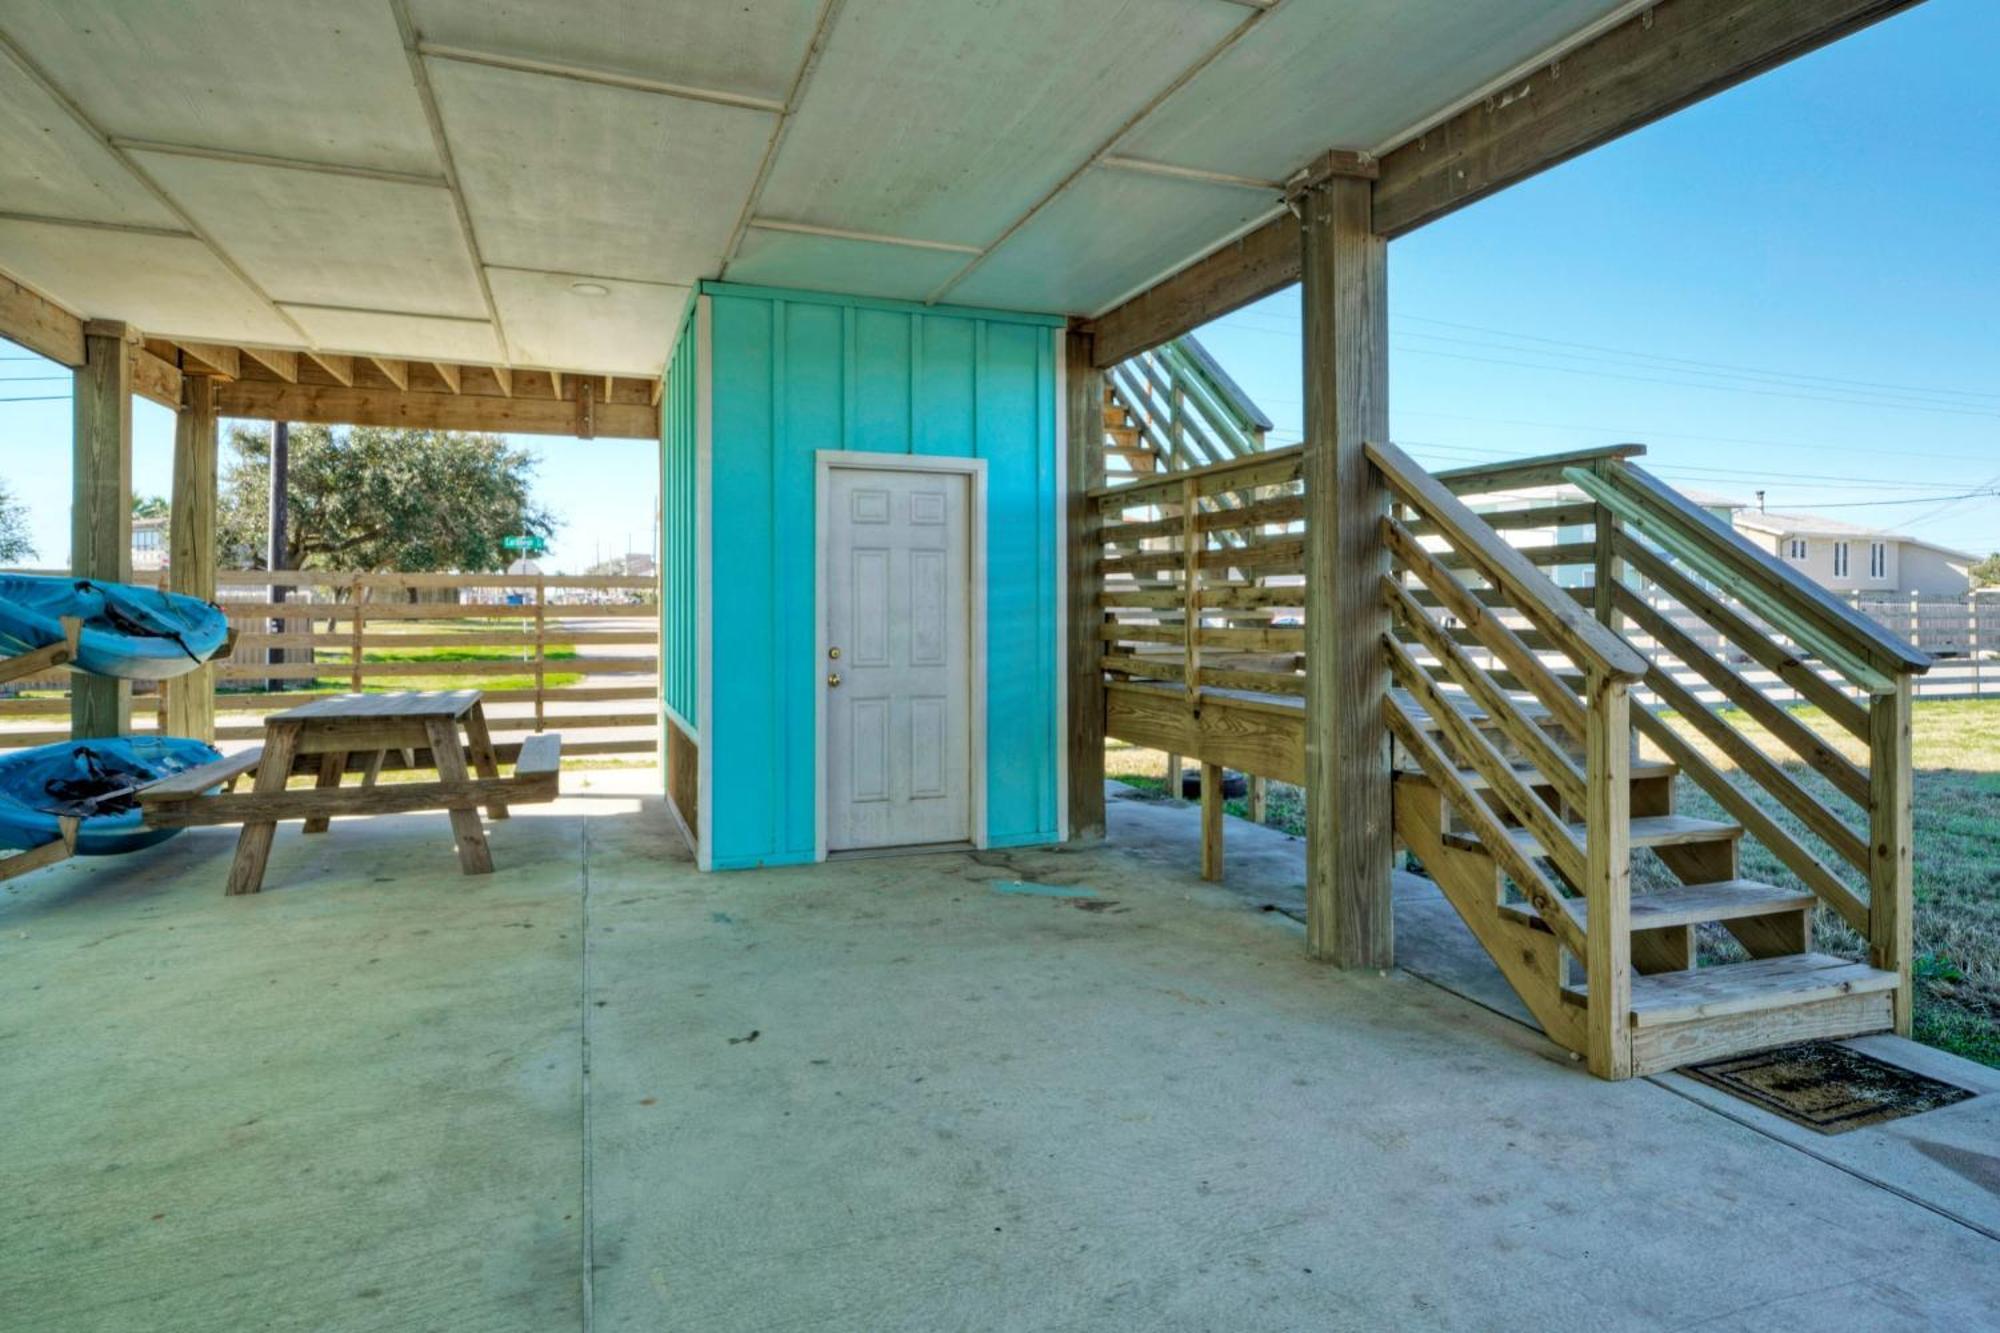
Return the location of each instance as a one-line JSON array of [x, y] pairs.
[[822, 28]]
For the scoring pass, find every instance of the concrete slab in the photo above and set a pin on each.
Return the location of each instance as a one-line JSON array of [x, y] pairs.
[[882, 1094]]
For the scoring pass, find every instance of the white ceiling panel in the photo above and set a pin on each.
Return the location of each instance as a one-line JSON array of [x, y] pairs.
[[326, 82], [748, 47], [169, 285], [52, 166], [627, 331], [419, 337], [330, 240], [1077, 255], [837, 264], [589, 179], [949, 126], [1311, 77]]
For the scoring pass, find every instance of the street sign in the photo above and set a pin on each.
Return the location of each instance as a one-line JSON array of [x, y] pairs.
[[533, 545]]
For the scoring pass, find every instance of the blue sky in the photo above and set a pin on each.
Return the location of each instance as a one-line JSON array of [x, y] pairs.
[[1790, 287]]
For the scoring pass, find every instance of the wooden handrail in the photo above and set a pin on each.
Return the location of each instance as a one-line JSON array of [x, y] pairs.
[[1862, 650], [1540, 470], [1592, 646], [1271, 467]]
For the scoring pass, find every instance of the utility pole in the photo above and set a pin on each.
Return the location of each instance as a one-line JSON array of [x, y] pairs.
[[274, 548]]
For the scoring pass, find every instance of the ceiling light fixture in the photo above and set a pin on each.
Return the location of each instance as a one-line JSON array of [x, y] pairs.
[[591, 289]]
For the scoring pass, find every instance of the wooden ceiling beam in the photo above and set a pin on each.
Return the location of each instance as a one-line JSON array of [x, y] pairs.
[[39, 324], [156, 378], [555, 384], [504, 377], [271, 400], [1663, 59], [449, 373], [340, 367], [211, 359], [285, 365], [395, 371]]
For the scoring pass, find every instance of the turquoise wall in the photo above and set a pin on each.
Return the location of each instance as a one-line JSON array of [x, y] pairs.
[[797, 372], [678, 658]]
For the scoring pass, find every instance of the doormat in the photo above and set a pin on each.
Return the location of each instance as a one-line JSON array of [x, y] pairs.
[[1826, 1086]]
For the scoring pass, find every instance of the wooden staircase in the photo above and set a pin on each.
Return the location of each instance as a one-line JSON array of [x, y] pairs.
[[1174, 409], [1520, 786], [1677, 1012]]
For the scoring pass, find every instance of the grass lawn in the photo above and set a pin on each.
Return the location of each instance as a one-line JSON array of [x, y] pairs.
[[1957, 802]]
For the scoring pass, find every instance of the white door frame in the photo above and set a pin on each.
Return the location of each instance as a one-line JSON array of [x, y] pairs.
[[973, 470]]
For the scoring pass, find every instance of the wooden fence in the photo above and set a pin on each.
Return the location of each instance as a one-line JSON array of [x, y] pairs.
[[587, 664]]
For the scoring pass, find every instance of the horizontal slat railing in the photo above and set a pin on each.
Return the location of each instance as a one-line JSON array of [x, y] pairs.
[[1700, 593], [1532, 667], [334, 615], [1199, 569]]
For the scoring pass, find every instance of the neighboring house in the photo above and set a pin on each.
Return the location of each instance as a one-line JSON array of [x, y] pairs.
[[149, 544], [1849, 558]]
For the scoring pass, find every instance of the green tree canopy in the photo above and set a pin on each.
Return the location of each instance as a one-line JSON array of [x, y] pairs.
[[372, 498], [14, 543], [1986, 571], [149, 506]]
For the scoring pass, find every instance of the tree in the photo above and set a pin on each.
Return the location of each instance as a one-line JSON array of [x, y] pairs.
[[374, 498], [149, 506], [14, 543]]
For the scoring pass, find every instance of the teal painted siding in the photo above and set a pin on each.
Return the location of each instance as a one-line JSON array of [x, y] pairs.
[[797, 372], [679, 666]]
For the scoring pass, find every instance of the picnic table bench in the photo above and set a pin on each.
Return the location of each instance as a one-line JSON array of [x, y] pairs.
[[373, 725]]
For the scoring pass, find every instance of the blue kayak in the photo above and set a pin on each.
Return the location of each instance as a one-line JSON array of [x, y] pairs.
[[92, 780], [136, 633]]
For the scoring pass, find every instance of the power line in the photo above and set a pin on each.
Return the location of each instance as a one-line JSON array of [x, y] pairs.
[[46, 398]]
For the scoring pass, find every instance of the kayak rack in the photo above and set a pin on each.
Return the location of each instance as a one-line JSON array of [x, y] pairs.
[[33, 664]]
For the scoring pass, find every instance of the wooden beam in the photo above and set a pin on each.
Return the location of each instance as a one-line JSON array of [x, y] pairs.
[[659, 387], [1348, 844], [285, 365], [39, 324], [1211, 821], [211, 359], [555, 384], [586, 408], [100, 540], [156, 379], [340, 367], [1084, 408], [1892, 864], [396, 372], [267, 400], [1667, 57], [449, 373], [190, 698], [504, 377]]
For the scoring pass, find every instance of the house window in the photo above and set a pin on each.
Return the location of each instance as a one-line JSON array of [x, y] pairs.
[[1878, 560], [1798, 548], [1840, 560]]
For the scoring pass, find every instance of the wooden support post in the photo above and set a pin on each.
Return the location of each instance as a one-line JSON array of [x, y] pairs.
[[1191, 544], [190, 699], [1348, 834], [357, 641], [100, 539], [1173, 778], [1211, 821], [1259, 799], [1608, 876], [1084, 415], [1891, 866], [541, 651]]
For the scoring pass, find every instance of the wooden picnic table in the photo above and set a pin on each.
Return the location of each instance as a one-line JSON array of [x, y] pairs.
[[373, 725]]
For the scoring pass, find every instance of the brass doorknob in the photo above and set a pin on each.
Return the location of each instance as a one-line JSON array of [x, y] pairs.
[[833, 678]]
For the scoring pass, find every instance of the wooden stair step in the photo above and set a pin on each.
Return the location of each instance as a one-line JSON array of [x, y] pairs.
[[1688, 904], [1742, 988], [1642, 769], [1467, 708], [1646, 831]]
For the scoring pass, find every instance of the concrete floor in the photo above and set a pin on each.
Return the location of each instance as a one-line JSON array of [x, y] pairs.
[[598, 1090]]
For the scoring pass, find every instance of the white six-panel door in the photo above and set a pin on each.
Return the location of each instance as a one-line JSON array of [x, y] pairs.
[[897, 671]]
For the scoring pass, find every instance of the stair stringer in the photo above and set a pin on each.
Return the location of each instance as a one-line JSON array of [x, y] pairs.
[[1529, 959]]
